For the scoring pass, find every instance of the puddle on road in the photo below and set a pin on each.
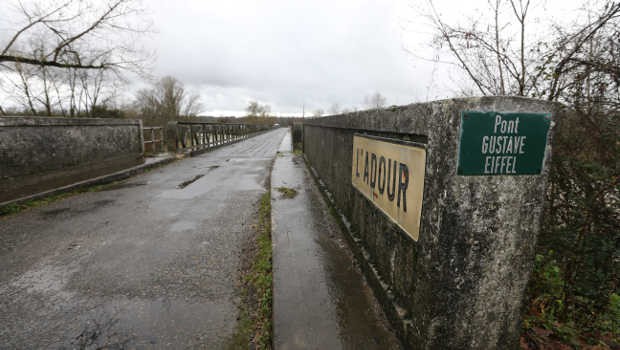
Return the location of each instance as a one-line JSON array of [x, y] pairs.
[[186, 183], [248, 175], [208, 168]]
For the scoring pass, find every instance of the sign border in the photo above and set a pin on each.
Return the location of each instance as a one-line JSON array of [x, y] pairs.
[[406, 143], [548, 115]]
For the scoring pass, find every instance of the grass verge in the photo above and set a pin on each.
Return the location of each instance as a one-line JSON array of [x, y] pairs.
[[254, 328]]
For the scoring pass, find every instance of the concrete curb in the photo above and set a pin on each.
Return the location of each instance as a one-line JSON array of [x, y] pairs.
[[100, 180]]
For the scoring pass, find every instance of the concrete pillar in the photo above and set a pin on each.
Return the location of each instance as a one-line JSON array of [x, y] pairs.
[[459, 284]]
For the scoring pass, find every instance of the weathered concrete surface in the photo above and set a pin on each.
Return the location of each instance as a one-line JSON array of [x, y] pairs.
[[38, 154], [149, 163], [297, 135], [460, 286], [143, 264], [321, 300]]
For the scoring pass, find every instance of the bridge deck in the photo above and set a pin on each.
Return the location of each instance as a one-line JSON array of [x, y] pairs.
[[145, 263], [154, 261]]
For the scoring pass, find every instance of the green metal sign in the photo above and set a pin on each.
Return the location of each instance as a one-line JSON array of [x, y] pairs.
[[493, 143]]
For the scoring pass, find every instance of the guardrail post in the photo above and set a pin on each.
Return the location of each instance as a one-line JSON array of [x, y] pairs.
[[209, 136], [172, 136], [140, 126], [202, 135]]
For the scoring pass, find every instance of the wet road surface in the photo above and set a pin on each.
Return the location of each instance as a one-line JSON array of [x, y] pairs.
[[321, 300], [151, 262]]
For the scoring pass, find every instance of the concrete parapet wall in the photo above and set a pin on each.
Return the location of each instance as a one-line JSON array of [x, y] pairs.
[[38, 154], [297, 135], [460, 285]]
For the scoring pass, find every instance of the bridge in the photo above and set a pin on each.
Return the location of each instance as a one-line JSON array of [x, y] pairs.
[[385, 233]]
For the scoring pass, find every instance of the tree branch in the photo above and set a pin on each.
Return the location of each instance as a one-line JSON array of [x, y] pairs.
[[94, 25], [442, 28], [43, 62], [603, 67], [41, 19], [559, 68]]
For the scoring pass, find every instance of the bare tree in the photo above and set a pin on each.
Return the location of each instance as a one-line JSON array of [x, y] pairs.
[[193, 106], [593, 47], [487, 54], [375, 101], [167, 100], [334, 109], [255, 109], [64, 56], [73, 30], [44, 90], [22, 84]]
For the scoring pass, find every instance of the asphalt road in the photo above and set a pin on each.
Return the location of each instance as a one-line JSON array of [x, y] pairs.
[[151, 262]]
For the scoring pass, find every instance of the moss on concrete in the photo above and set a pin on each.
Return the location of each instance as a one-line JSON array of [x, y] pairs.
[[287, 192]]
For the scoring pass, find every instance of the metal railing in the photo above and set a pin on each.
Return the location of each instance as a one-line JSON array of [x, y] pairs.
[[153, 139], [196, 136]]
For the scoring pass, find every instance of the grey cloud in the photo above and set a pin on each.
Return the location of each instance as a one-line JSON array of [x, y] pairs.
[[284, 53]]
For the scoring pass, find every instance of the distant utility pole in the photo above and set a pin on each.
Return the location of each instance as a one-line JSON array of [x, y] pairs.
[[303, 111]]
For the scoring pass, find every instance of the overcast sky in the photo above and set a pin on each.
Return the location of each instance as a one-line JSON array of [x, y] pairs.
[[317, 53], [285, 53], [314, 53]]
